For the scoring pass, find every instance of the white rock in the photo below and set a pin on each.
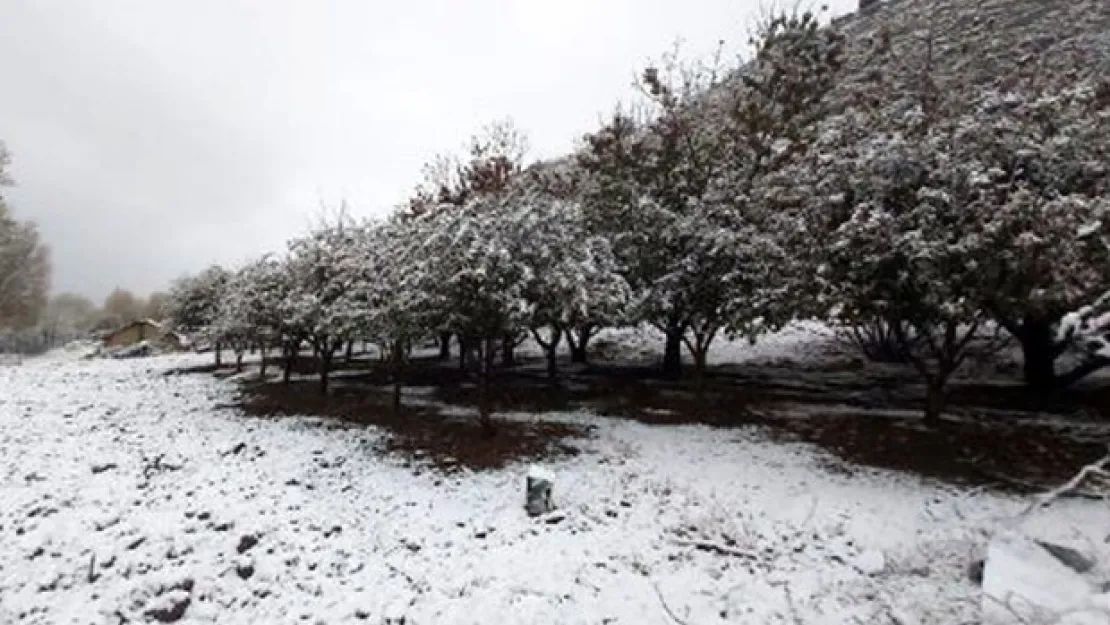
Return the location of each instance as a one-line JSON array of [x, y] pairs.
[[870, 562], [540, 473], [1023, 583]]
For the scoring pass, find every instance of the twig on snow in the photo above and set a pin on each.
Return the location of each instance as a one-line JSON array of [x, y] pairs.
[[790, 604], [812, 512], [667, 608], [705, 545], [1096, 468]]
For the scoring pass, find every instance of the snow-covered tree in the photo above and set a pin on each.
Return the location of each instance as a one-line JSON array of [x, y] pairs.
[[1087, 329], [892, 209], [122, 305], [250, 313], [579, 287], [573, 284], [469, 262], [67, 317], [193, 305], [320, 306], [1028, 153], [492, 159], [1039, 164], [393, 296], [689, 189], [154, 307], [24, 265]]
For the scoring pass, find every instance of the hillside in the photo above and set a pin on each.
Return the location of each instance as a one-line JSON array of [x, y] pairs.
[[988, 42]]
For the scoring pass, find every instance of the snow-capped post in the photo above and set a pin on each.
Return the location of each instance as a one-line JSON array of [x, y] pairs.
[[538, 492]]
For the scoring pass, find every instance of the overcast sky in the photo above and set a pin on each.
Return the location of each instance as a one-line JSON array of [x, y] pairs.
[[151, 138]]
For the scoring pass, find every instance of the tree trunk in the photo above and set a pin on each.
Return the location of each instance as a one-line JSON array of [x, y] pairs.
[[219, 363], [290, 361], [239, 361], [445, 346], [350, 352], [1039, 352], [464, 349], [935, 398], [578, 354], [699, 369], [324, 367], [398, 363], [553, 361], [508, 342], [672, 354], [265, 360], [254, 346], [485, 370], [550, 350]]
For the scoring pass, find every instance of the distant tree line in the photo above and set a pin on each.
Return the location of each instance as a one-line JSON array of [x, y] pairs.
[[31, 320]]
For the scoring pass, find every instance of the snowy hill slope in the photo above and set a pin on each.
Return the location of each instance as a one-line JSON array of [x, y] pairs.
[[989, 42]]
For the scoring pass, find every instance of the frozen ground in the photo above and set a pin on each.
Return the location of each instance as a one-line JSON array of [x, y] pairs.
[[127, 496]]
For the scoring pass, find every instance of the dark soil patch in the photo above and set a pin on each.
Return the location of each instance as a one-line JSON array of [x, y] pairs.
[[1014, 457], [997, 435], [210, 368], [446, 442]]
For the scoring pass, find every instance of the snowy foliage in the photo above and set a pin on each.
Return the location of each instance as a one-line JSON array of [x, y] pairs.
[[576, 278], [321, 303], [469, 263], [194, 302], [396, 308], [24, 266], [251, 310], [687, 186], [861, 172]]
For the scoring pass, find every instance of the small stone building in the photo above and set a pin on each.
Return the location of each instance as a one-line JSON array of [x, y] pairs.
[[146, 330]]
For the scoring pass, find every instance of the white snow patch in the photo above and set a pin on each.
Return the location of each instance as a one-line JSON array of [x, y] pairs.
[[120, 485]]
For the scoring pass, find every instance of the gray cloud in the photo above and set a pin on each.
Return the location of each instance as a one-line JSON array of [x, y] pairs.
[[151, 138]]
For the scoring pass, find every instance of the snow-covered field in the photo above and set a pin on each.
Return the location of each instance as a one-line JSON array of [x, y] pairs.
[[128, 496]]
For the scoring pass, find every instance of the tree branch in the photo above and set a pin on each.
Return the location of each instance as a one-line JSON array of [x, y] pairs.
[[1095, 468]]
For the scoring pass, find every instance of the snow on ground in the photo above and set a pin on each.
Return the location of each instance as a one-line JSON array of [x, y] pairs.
[[128, 496], [797, 342]]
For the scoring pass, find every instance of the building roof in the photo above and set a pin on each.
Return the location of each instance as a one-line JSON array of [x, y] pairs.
[[127, 326]]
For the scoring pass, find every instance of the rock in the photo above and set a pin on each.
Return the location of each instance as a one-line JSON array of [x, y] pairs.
[[362, 615], [870, 562], [1022, 581], [555, 517], [101, 468], [975, 571], [171, 606], [1070, 557], [245, 543], [244, 570], [538, 492]]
